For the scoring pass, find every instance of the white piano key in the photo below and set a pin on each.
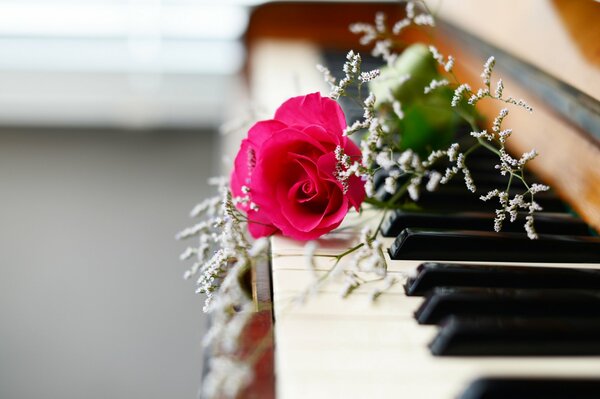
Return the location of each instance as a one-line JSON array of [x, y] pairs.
[[328, 346]]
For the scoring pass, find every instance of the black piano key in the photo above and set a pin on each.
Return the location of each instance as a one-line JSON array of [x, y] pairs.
[[515, 302], [545, 223], [465, 245], [498, 336], [480, 160], [532, 388], [458, 198], [432, 275], [480, 153], [486, 181]]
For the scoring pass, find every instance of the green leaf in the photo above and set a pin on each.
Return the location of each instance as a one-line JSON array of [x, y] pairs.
[[429, 121]]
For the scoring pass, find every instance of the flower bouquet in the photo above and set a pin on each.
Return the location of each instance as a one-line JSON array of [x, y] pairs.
[[299, 173]]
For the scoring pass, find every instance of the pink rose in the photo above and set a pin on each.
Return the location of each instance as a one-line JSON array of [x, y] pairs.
[[285, 170]]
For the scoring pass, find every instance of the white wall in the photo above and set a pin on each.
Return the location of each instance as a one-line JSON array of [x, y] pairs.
[[118, 63], [92, 302]]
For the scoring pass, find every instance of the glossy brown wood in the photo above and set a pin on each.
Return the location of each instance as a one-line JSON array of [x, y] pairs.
[[257, 337], [570, 158], [257, 340], [561, 37], [323, 23]]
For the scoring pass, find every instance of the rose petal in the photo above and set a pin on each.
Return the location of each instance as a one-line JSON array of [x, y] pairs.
[[259, 225], [336, 210], [328, 140], [356, 187], [299, 211], [240, 176], [263, 130], [277, 162], [297, 215], [312, 109], [249, 148], [327, 166], [351, 149], [356, 191]]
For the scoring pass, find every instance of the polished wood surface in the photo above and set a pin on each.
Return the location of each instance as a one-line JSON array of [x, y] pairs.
[[257, 338], [561, 37], [569, 158], [316, 22]]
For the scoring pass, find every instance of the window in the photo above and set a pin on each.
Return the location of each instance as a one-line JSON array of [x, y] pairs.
[[132, 63]]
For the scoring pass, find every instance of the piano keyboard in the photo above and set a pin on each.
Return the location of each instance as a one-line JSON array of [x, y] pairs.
[[475, 314], [351, 348], [333, 347]]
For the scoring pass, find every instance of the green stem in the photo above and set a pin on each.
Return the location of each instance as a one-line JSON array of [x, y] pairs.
[[510, 180], [375, 202], [339, 257], [488, 146], [398, 194], [472, 148], [358, 246]]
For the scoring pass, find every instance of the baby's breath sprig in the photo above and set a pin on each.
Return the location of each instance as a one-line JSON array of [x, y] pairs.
[[369, 258], [486, 91], [379, 146], [384, 39], [514, 168], [495, 141], [352, 75], [366, 266], [222, 255], [370, 122], [408, 168]]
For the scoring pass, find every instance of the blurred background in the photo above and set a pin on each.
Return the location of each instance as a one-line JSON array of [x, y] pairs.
[[109, 119], [109, 112]]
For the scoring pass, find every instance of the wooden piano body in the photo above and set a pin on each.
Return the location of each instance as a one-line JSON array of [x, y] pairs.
[[330, 347]]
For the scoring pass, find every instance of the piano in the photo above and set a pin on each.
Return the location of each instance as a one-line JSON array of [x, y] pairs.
[[457, 324]]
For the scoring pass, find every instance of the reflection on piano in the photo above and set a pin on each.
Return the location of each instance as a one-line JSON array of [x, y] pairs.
[[480, 315]]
